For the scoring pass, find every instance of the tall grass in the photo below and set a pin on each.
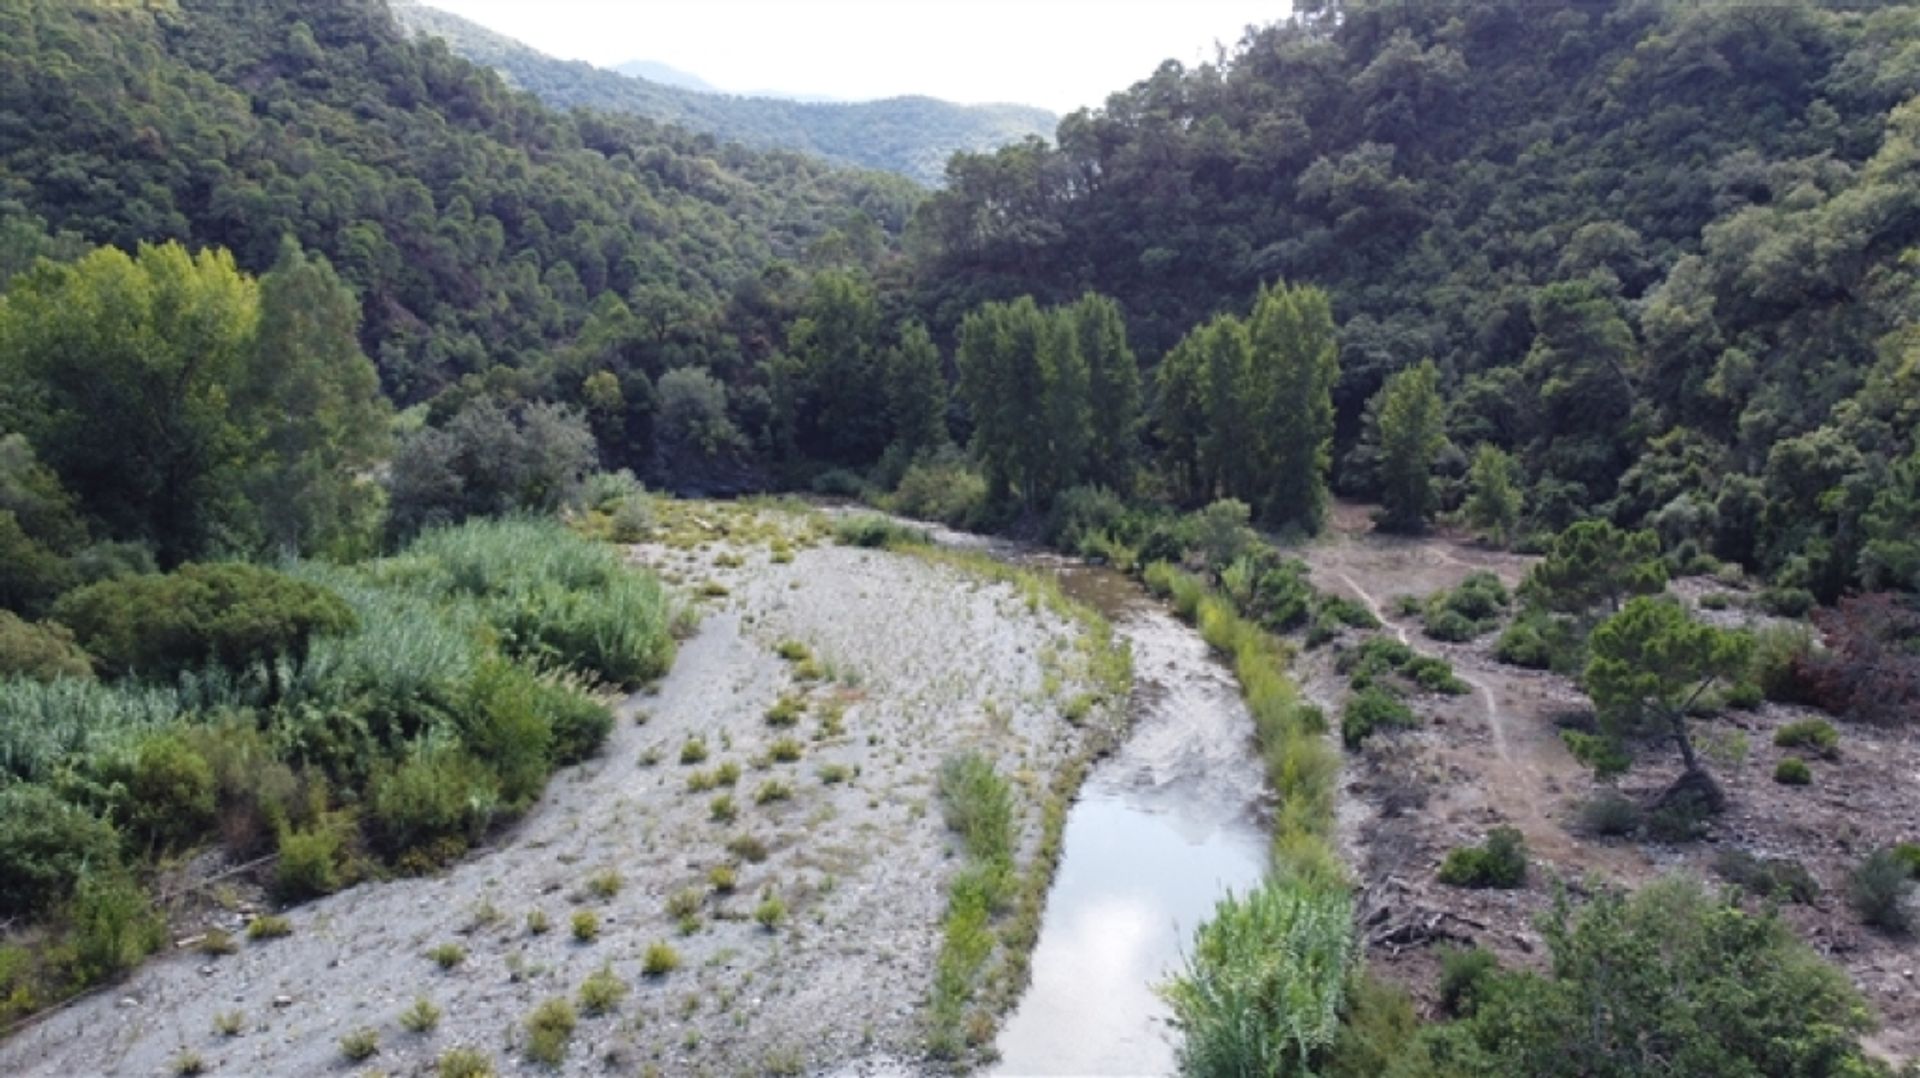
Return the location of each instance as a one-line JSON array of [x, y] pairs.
[[45, 724], [978, 805]]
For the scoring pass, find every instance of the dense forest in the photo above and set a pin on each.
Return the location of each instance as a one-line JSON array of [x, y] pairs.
[[291, 303], [912, 136]]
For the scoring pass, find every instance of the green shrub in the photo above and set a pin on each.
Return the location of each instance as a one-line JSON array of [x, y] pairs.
[[360, 1045], [1452, 626], [1744, 695], [693, 751], [310, 861], [549, 1029], [1682, 818], [230, 614], [1908, 854], [168, 791], [867, 530], [269, 926], [1465, 975], [447, 955], [1501, 861], [1813, 735], [770, 913], [1608, 815], [1435, 675], [1792, 771], [1372, 709], [439, 792], [502, 727], [1878, 891], [772, 790], [946, 489], [465, 1063], [1781, 655], [46, 846], [602, 992], [978, 806], [1240, 1010], [1787, 602], [421, 1017], [660, 959], [1766, 877], [111, 926], [43, 652], [586, 926], [579, 721]]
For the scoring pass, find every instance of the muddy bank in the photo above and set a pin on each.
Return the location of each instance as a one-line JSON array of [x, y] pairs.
[[916, 662]]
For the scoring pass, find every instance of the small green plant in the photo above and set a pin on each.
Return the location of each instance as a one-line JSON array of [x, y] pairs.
[[834, 774], [217, 941], [269, 926], [712, 589], [537, 922], [602, 992], [660, 959], [786, 711], [786, 750], [684, 903], [448, 955], [1767, 877], [586, 926], [360, 1045], [421, 1017], [1816, 736], [772, 790], [770, 913], [1908, 854], [1373, 708], [605, 884], [723, 879], [549, 1029], [793, 651], [1465, 973], [1501, 861], [1608, 815], [229, 1023], [722, 809], [464, 1063], [727, 773], [693, 751], [700, 782], [1878, 890], [189, 1063], [1792, 771], [748, 848]]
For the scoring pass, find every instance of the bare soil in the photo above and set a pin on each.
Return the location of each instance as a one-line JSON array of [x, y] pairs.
[[921, 660], [1494, 757]]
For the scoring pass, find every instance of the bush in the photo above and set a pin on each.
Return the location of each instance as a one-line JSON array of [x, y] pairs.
[[1787, 602], [46, 845], [1452, 626], [1780, 655], [111, 927], [838, 483], [1878, 890], [1081, 515], [1501, 861], [43, 652], [549, 1029], [945, 489], [438, 792], [1435, 675], [1608, 815], [601, 992], [1814, 735], [1908, 854], [1372, 709], [1681, 818], [770, 913], [1766, 877], [978, 805], [867, 530], [230, 614], [310, 861], [1792, 771], [660, 959], [169, 791], [501, 724], [1465, 975]]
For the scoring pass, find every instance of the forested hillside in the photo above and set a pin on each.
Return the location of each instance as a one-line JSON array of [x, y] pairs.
[[1662, 252], [477, 226], [913, 136]]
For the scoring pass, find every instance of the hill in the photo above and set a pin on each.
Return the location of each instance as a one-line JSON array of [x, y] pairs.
[[666, 75], [913, 136], [476, 225]]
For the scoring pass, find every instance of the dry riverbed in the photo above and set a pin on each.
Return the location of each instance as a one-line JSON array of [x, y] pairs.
[[912, 661]]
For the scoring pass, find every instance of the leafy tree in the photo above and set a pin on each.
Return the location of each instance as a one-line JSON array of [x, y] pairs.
[[1891, 558], [1113, 391], [1594, 563], [1229, 448], [1181, 416], [1294, 364], [1578, 366], [694, 425], [1411, 436], [1493, 494], [835, 340], [1651, 663], [309, 479], [1026, 385], [916, 393]]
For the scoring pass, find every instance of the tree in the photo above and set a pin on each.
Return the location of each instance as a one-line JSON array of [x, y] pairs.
[[1650, 664], [1294, 364], [1493, 494], [694, 425], [1412, 434], [311, 479], [1578, 367], [1026, 387], [1229, 462], [1113, 391], [1593, 562], [916, 393], [1069, 427], [843, 393], [149, 348], [1891, 558]]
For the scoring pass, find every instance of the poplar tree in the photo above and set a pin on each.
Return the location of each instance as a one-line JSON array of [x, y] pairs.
[[1493, 494], [1113, 392], [916, 393], [1412, 433], [1295, 362]]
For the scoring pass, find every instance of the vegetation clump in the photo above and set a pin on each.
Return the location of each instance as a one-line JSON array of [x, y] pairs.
[[1499, 862]]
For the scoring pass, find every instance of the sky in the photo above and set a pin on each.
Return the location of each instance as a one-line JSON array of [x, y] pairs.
[[1058, 54]]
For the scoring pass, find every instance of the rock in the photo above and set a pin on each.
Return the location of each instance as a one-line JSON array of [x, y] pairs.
[[129, 1001], [283, 1001], [189, 941]]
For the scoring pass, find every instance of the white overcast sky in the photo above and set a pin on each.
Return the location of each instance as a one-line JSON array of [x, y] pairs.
[[1058, 54]]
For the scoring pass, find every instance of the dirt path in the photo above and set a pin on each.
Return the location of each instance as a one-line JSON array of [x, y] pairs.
[[921, 661]]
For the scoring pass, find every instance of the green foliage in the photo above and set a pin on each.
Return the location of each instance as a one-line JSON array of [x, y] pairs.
[[232, 615], [1025, 380], [438, 792], [1494, 499], [916, 395], [942, 487], [660, 959], [602, 992], [164, 790], [1372, 709], [111, 926], [1879, 890], [978, 805], [1608, 815], [1469, 610], [1261, 990], [1593, 563], [1709, 987], [487, 460], [46, 847], [549, 1028], [310, 862], [1792, 771], [1787, 881], [1815, 735], [1651, 662], [1412, 434], [1465, 975], [868, 530], [1500, 861], [43, 652]]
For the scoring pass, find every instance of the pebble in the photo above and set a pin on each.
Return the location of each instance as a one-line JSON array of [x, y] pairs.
[[283, 1001]]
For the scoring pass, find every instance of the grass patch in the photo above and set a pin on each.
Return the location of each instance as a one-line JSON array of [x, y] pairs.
[[660, 959], [360, 1045], [421, 1017], [602, 992], [978, 806], [448, 955], [269, 926], [549, 1029], [586, 926]]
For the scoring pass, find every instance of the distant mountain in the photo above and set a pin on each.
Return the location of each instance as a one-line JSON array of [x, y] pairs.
[[666, 75], [912, 136]]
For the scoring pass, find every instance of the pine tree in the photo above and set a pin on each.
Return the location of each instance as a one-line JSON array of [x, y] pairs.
[[1412, 433]]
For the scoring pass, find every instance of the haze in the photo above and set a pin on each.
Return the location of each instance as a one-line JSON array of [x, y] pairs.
[[1060, 55]]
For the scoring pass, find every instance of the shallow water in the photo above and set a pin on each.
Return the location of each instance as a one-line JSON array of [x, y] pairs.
[[1162, 829]]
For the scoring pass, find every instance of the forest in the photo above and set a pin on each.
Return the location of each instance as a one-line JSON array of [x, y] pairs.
[[310, 330], [911, 136]]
